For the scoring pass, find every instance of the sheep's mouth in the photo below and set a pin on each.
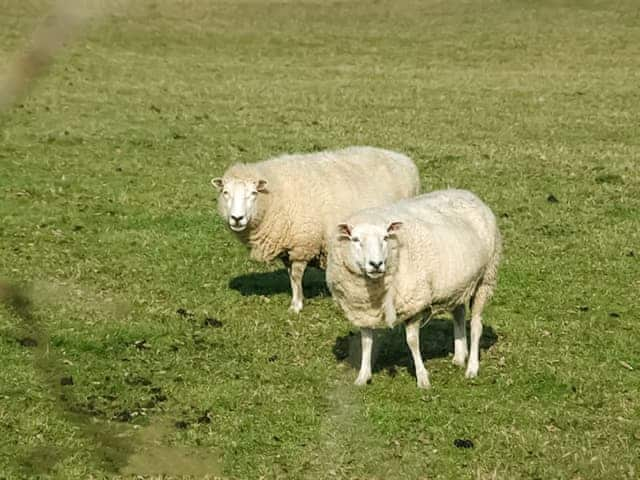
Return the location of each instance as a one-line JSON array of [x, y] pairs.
[[374, 274], [238, 228]]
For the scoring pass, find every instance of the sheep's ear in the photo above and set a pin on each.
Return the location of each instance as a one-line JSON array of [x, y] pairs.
[[261, 186], [217, 183], [393, 227], [344, 230]]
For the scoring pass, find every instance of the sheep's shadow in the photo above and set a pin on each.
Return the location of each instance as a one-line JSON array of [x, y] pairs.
[[272, 283], [390, 350]]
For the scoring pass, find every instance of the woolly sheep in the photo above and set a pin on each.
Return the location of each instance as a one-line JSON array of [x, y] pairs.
[[282, 207], [420, 256]]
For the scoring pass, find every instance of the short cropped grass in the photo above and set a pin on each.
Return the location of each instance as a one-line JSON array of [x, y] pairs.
[[137, 337]]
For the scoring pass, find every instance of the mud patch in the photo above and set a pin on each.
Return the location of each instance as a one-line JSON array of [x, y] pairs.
[[154, 456], [43, 459], [108, 447], [116, 446]]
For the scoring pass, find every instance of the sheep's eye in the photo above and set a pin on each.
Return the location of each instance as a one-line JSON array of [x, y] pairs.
[[355, 239], [254, 193], [385, 238], [225, 193]]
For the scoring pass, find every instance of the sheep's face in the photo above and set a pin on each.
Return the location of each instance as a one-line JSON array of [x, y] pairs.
[[368, 247], [237, 200]]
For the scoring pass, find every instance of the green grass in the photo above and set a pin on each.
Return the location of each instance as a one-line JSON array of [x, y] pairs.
[[107, 221]]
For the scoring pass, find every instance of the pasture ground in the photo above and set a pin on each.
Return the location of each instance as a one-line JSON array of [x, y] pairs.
[[113, 259]]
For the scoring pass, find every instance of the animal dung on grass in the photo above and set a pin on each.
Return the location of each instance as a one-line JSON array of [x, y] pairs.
[[158, 396], [28, 342], [141, 344], [204, 418], [124, 416], [212, 322], [183, 312], [463, 443], [181, 425]]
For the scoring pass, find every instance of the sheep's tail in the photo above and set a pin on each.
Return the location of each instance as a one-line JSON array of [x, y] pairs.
[[490, 277], [491, 273]]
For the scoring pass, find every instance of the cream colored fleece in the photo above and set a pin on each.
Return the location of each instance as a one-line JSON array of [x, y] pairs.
[[309, 193], [449, 242]]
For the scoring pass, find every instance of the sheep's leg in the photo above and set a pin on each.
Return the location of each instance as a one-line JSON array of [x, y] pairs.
[[412, 328], [479, 300], [366, 339], [460, 337], [296, 272]]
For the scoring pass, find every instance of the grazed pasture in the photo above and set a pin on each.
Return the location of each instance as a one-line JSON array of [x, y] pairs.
[[137, 337]]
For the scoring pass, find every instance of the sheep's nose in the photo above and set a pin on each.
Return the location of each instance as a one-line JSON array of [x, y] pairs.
[[237, 219], [376, 265]]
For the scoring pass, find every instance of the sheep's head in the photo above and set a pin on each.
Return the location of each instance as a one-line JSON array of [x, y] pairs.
[[368, 247], [237, 200]]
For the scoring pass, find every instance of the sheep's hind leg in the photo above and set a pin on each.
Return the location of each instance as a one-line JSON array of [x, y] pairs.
[[479, 300], [366, 339], [460, 351], [412, 328], [296, 272]]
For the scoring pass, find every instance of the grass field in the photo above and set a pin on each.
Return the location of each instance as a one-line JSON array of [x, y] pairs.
[[183, 358]]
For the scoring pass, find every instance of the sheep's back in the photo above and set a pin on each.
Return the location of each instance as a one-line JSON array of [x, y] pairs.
[[319, 190], [447, 240]]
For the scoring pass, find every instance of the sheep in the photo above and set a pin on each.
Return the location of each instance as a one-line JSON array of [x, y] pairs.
[[399, 263], [283, 207]]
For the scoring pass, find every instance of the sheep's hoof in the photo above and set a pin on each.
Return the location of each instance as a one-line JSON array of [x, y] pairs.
[[295, 308], [459, 361], [424, 383], [362, 380], [471, 372]]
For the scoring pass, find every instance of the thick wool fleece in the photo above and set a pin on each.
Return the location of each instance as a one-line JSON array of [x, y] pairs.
[[309, 193], [449, 242]]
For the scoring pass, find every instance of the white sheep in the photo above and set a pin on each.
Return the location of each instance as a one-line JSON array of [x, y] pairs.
[[283, 207], [419, 256]]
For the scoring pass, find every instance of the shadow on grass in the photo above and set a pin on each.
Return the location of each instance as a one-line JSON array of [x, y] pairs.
[[390, 350], [272, 283]]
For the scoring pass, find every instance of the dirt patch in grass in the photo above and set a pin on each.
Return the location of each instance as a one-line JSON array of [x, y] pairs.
[[153, 456]]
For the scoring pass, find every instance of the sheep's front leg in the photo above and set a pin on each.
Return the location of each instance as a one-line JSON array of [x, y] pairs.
[[366, 338], [459, 337], [296, 272], [412, 328]]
